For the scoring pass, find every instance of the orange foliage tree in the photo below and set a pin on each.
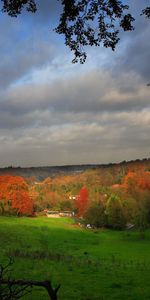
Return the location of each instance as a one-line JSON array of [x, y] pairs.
[[140, 179], [14, 196], [137, 184]]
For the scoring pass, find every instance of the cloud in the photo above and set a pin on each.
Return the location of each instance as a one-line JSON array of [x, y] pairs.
[[26, 44], [78, 120], [52, 112], [134, 47], [109, 138], [93, 92]]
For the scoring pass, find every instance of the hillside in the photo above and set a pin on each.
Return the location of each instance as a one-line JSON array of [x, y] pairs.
[[40, 173], [102, 264]]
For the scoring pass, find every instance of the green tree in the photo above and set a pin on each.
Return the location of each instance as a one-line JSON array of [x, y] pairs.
[[141, 221], [129, 208], [95, 215], [115, 213]]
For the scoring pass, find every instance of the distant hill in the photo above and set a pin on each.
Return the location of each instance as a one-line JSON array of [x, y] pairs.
[[40, 173]]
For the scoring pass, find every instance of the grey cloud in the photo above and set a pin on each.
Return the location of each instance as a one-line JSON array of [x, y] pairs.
[[93, 92], [134, 54], [137, 54], [74, 143], [23, 58], [23, 47]]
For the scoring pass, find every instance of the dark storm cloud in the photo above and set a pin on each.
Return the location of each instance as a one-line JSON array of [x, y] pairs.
[[24, 58], [26, 43], [134, 51], [137, 54]]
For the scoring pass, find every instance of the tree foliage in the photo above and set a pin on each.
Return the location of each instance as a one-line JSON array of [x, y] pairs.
[[85, 22], [14, 7], [137, 180], [95, 215], [92, 23], [82, 201], [14, 196], [115, 213], [93, 194]]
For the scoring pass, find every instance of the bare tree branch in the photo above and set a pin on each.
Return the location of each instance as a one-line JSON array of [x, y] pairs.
[[52, 292], [11, 289]]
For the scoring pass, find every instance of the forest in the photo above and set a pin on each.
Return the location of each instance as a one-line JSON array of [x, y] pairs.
[[113, 196]]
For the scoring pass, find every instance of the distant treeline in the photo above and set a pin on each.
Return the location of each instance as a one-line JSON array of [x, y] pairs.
[[40, 173]]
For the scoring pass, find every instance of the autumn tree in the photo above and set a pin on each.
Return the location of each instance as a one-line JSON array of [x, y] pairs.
[[82, 201], [14, 196], [137, 186], [47, 199], [85, 22]]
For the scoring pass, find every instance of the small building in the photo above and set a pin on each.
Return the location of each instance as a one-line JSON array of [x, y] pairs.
[[58, 214]]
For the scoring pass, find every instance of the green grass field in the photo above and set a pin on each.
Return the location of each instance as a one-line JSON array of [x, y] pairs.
[[89, 265]]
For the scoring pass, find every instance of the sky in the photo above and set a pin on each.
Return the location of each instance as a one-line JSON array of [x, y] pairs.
[[53, 112]]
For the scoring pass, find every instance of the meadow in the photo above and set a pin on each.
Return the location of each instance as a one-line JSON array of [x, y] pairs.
[[89, 264]]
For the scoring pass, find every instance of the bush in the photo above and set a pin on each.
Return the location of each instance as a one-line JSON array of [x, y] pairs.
[[95, 215], [115, 214]]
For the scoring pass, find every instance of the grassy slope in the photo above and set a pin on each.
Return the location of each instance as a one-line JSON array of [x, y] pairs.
[[89, 265]]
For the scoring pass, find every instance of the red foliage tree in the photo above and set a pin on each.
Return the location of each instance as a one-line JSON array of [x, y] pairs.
[[82, 201], [15, 195]]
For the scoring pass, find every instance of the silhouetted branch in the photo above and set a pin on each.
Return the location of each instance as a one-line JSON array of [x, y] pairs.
[[29, 284], [11, 289]]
